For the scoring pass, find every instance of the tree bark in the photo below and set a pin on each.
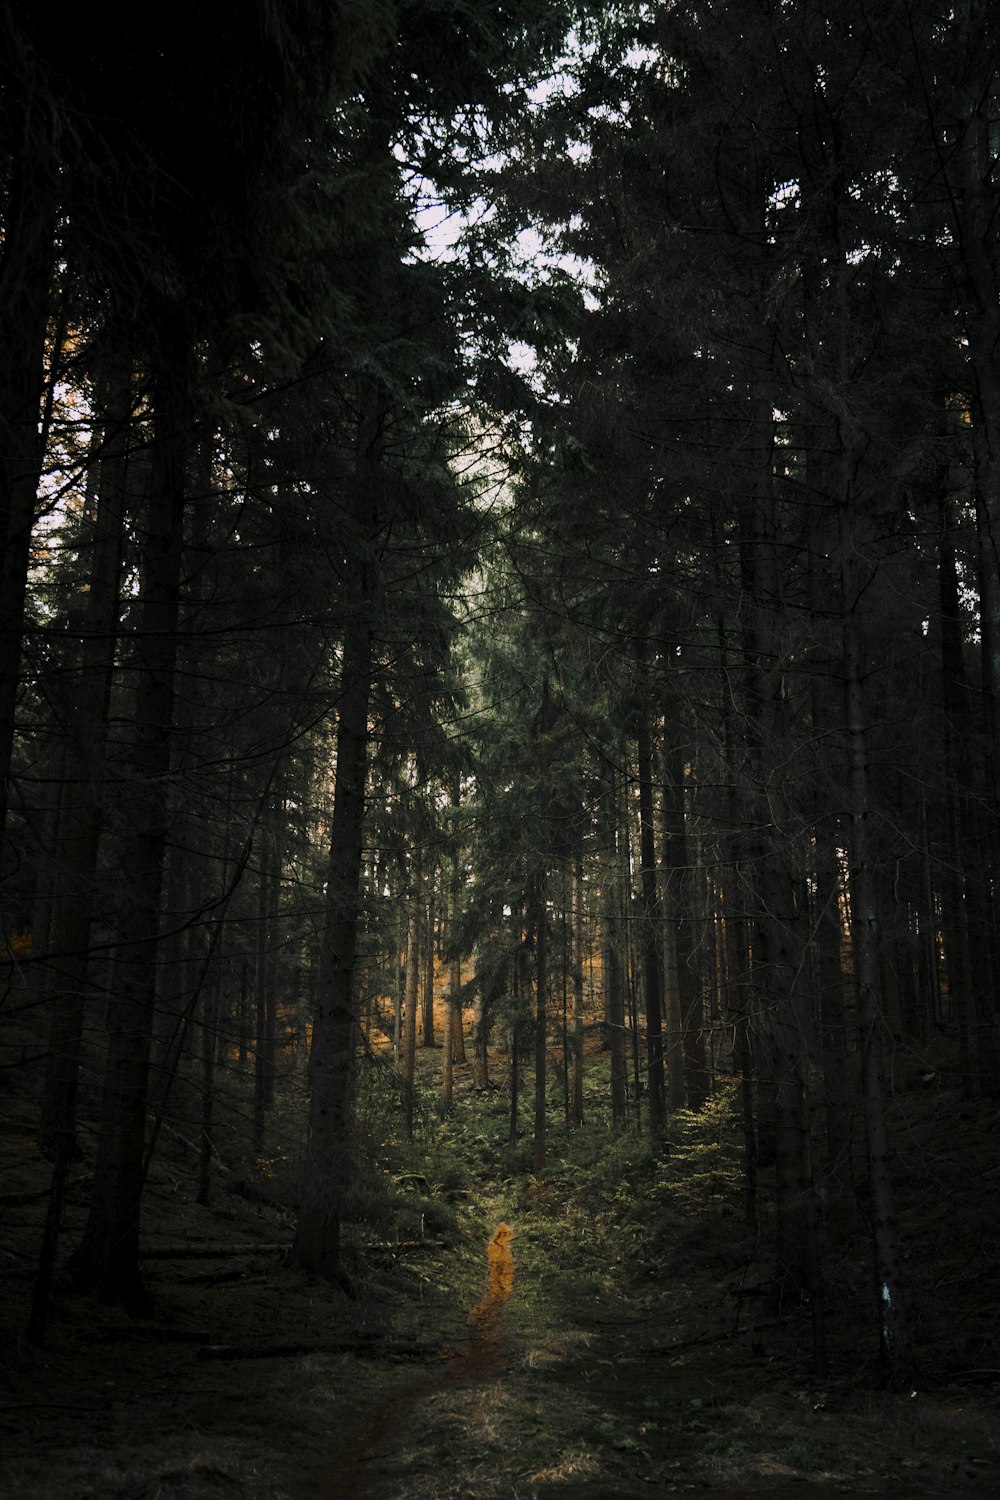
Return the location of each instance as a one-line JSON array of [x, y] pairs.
[[83, 774], [429, 931], [541, 1022], [108, 1257], [409, 1048], [481, 1024], [325, 1173], [894, 1331], [452, 1017], [776, 943], [27, 264], [691, 1064], [614, 990], [973, 859], [332, 1057], [651, 924], [576, 1087], [265, 977]]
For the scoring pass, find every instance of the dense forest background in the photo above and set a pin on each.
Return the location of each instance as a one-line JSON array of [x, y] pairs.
[[500, 509]]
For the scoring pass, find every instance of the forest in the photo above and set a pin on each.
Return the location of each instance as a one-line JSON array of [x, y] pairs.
[[500, 750]]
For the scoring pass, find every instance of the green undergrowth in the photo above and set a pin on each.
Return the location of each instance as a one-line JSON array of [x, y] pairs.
[[637, 1352], [639, 1348]]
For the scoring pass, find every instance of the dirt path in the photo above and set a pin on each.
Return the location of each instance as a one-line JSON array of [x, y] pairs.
[[353, 1472], [482, 1353], [565, 1381], [558, 1401]]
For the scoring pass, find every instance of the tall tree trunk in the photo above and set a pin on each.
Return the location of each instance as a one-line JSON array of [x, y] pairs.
[[409, 1049], [894, 1331], [458, 1020], [651, 923], [515, 1042], [451, 1010], [741, 995], [971, 162], [399, 989], [334, 1039], [332, 1057], [84, 772], [481, 1025], [107, 1259], [576, 1088], [27, 263], [541, 1022], [673, 1015], [972, 195], [452, 1019], [973, 856], [678, 862], [776, 944], [833, 1029], [429, 931], [614, 988], [628, 920], [826, 911], [265, 977], [243, 1018], [828, 325]]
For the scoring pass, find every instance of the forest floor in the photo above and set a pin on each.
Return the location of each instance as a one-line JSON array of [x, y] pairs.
[[624, 1350]]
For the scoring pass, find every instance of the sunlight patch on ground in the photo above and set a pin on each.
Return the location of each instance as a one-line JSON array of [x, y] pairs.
[[576, 1466], [500, 1263], [491, 1415], [563, 1345]]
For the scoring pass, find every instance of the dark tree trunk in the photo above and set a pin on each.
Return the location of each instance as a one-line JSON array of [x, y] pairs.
[[209, 1032], [894, 1332], [973, 197], [515, 1046], [576, 1087], [651, 924], [265, 978], [409, 1048], [973, 856], [541, 1022], [678, 862], [776, 944], [83, 774], [399, 991], [243, 1019], [833, 1029], [27, 263], [458, 1014], [614, 988], [108, 1258], [333, 1054], [429, 929], [672, 1016], [452, 1019], [335, 1028], [826, 914], [740, 1006]]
